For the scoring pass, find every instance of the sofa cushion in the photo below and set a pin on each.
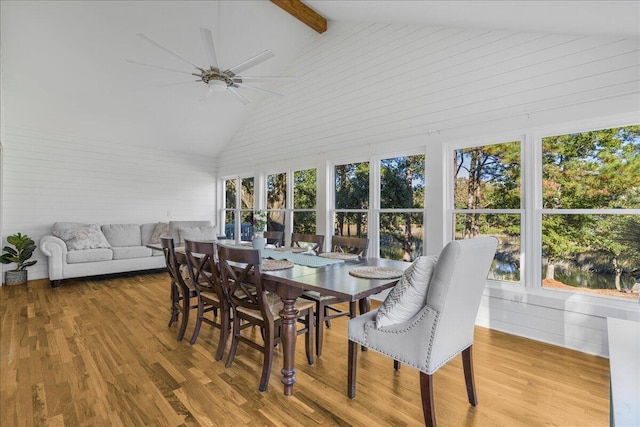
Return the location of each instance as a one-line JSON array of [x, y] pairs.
[[123, 234], [89, 255], [62, 226], [126, 252], [89, 237], [174, 227], [197, 233], [409, 295], [161, 229]]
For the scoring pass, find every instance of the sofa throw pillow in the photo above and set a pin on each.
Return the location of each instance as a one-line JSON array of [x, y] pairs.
[[161, 229], [409, 295], [197, 233], [89, 237]]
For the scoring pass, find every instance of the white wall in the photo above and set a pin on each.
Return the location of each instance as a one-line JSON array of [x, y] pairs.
[[365, 90], [51, 177]]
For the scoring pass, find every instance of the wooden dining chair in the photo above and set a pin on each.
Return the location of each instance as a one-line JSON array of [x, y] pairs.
[[205, 279], [182, 295], [275, 238], [315, 242], [325, 304], [429, 318], [251, 303]]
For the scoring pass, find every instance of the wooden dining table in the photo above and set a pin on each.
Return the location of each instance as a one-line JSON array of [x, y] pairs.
[[333, 279]]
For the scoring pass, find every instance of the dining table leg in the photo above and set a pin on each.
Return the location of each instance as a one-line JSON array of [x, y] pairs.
[[289, 315]]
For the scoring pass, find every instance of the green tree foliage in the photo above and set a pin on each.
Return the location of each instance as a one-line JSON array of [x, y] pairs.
[[402, 187], [590, 170], [352, 192], [486, 177]]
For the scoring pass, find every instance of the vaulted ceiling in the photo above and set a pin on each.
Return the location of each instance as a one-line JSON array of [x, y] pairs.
[[64, 72]]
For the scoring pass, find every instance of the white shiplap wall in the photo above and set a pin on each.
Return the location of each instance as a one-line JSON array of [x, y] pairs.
[[51, 177], [361, 84], [366, 90]]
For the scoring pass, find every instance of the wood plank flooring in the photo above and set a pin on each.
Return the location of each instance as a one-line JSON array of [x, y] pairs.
[[98, 352]]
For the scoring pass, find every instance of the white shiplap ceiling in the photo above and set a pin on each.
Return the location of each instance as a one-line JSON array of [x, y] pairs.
[[64, 70]]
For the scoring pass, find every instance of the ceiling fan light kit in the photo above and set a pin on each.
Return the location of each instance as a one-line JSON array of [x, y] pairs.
[[214, 77]]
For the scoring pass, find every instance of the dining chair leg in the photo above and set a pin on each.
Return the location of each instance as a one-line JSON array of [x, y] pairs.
[[396, 365], [467, 364], [224, 332], [186, 308], [196, 329], [268, 359], [174, 302], [308, 336], [234, 341], [319, 327], [428, 405], [352, 358]]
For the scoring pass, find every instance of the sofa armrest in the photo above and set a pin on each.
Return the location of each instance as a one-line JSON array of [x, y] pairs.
[[56, 250]]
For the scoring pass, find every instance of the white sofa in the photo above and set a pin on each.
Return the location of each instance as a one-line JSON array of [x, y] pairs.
[[124, 250]]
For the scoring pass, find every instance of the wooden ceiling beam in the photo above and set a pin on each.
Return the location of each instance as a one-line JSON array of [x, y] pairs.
[[303, 13]]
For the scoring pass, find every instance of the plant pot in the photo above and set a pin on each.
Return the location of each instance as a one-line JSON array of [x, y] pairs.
[[15, 277], [258, 242]]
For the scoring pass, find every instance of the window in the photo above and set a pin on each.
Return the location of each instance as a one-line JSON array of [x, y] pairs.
[[351, 199], [590, 220], [487, 201], [304, 201], [402, 207], [238, 204], [276, 201]]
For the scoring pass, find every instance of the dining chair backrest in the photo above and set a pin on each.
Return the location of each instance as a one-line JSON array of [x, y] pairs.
[[352, 245], [455, 291], [241, 273], [169, 251], [314, 242], [274, 238], [201, 265]]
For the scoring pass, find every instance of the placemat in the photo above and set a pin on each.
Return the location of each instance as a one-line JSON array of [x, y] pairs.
[[340, 255], [276, 264], [373, 272]]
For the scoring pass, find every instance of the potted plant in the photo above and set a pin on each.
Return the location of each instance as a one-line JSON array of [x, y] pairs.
[[22, 251]]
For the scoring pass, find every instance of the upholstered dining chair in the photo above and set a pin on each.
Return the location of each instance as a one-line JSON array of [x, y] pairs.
[[315, 242], [428, 317], [182, 296], [275, 238], [325, 304], [243, 285], [205, 279]]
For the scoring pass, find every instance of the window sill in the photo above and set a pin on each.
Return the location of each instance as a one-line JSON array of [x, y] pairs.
[[592, 305]]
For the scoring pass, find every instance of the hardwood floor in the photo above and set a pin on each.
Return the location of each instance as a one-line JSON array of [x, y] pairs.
[[98, 352]]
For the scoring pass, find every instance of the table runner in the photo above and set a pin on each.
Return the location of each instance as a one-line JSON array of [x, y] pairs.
[[300, 259], [296, 258]]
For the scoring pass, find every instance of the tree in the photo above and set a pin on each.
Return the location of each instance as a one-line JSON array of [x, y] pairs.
[[402, 186], [352, 192], [590, 170]]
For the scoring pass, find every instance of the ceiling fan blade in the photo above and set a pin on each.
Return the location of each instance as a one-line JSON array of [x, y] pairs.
[[207, 39], [266, 78], [158, 45], [251, 62], [257, 89], [241, 98], [157, 66]]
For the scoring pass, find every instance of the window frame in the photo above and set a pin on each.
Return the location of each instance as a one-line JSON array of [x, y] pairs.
[[451, 211]]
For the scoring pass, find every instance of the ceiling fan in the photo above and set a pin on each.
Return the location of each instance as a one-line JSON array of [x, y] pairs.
[[216, 78]]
